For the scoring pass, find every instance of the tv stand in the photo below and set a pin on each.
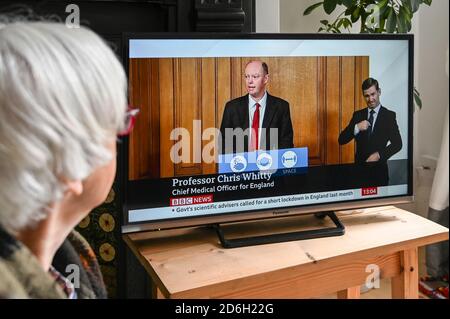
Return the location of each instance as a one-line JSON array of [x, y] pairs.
[[190, 263], [283, 237]]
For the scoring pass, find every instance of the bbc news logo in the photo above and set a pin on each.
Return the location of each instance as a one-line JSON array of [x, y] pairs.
[[192, 200], [368, 191]]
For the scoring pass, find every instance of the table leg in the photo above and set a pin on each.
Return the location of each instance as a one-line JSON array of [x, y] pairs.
[[156, 293], [350, 293], [406, 284]]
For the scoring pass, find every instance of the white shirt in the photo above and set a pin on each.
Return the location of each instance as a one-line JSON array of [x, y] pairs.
[[375, 115], [251, 111]]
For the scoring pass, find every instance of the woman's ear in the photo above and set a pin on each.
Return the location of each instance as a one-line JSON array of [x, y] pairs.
[[75, 187]]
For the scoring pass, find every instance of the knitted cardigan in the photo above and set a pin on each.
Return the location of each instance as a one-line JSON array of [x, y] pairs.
[[21, 275]]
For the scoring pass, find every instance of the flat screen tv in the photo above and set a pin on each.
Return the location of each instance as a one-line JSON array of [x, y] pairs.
[[236, 127]]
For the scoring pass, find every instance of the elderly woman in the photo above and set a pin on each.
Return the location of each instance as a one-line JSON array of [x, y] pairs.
[[62, 104]]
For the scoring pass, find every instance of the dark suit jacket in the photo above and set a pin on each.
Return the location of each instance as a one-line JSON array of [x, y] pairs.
[[276, 115], [385, 130]]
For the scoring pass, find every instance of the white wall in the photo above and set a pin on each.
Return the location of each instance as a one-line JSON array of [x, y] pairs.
[[267, 16], [432, 78]]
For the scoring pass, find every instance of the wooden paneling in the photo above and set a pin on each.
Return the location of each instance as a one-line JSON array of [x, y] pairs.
[[237, 81], [208, 114], [167, 97], [154, 119], [347, 105], [333, 98], [144, 91], [188, 110], [323, 93], [321, 104], [223, 86], [361, 73], [295, 80]]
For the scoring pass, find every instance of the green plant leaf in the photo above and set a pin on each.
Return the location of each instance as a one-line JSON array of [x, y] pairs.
[[329, 6], [417, 98], [408, 26], [355, 15], [415, 5], [380, 29], [407, 5], [401, 22], [408, 11], [408, 17], [335, 29], [384, 12], [391, 22], [311, 8], [324, 22], [382, 3], [348, 3], [347, 23], [349, 11], [404, 20], [427, 2]]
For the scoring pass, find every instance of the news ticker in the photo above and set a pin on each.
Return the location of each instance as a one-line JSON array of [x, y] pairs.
[[204, 204], [263, 160]]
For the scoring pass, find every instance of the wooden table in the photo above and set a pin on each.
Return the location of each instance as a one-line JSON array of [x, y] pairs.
[[190, 263]]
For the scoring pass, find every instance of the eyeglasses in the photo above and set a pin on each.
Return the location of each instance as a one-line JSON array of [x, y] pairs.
[[130, 119]]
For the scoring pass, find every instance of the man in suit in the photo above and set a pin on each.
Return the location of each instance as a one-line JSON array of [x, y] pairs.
[[375, 131], [257, 116]]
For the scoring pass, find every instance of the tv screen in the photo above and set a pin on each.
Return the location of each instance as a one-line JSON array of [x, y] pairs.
[[248, 126]]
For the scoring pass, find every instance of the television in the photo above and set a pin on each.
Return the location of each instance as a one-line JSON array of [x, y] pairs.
[[239, 127]]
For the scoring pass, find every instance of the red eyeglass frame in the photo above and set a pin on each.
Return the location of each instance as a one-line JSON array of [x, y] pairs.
[[130, 120]]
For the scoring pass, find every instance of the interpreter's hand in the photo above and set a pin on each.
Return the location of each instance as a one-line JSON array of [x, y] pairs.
[[375, 157], [363, 125]]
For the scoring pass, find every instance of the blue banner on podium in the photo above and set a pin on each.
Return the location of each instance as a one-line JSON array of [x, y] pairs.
[[263, 160]]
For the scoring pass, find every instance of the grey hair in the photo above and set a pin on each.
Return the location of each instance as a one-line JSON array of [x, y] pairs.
[[62, 99]]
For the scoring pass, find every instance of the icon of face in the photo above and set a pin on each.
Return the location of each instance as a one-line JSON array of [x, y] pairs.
[[255, 79], [372, 96]]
